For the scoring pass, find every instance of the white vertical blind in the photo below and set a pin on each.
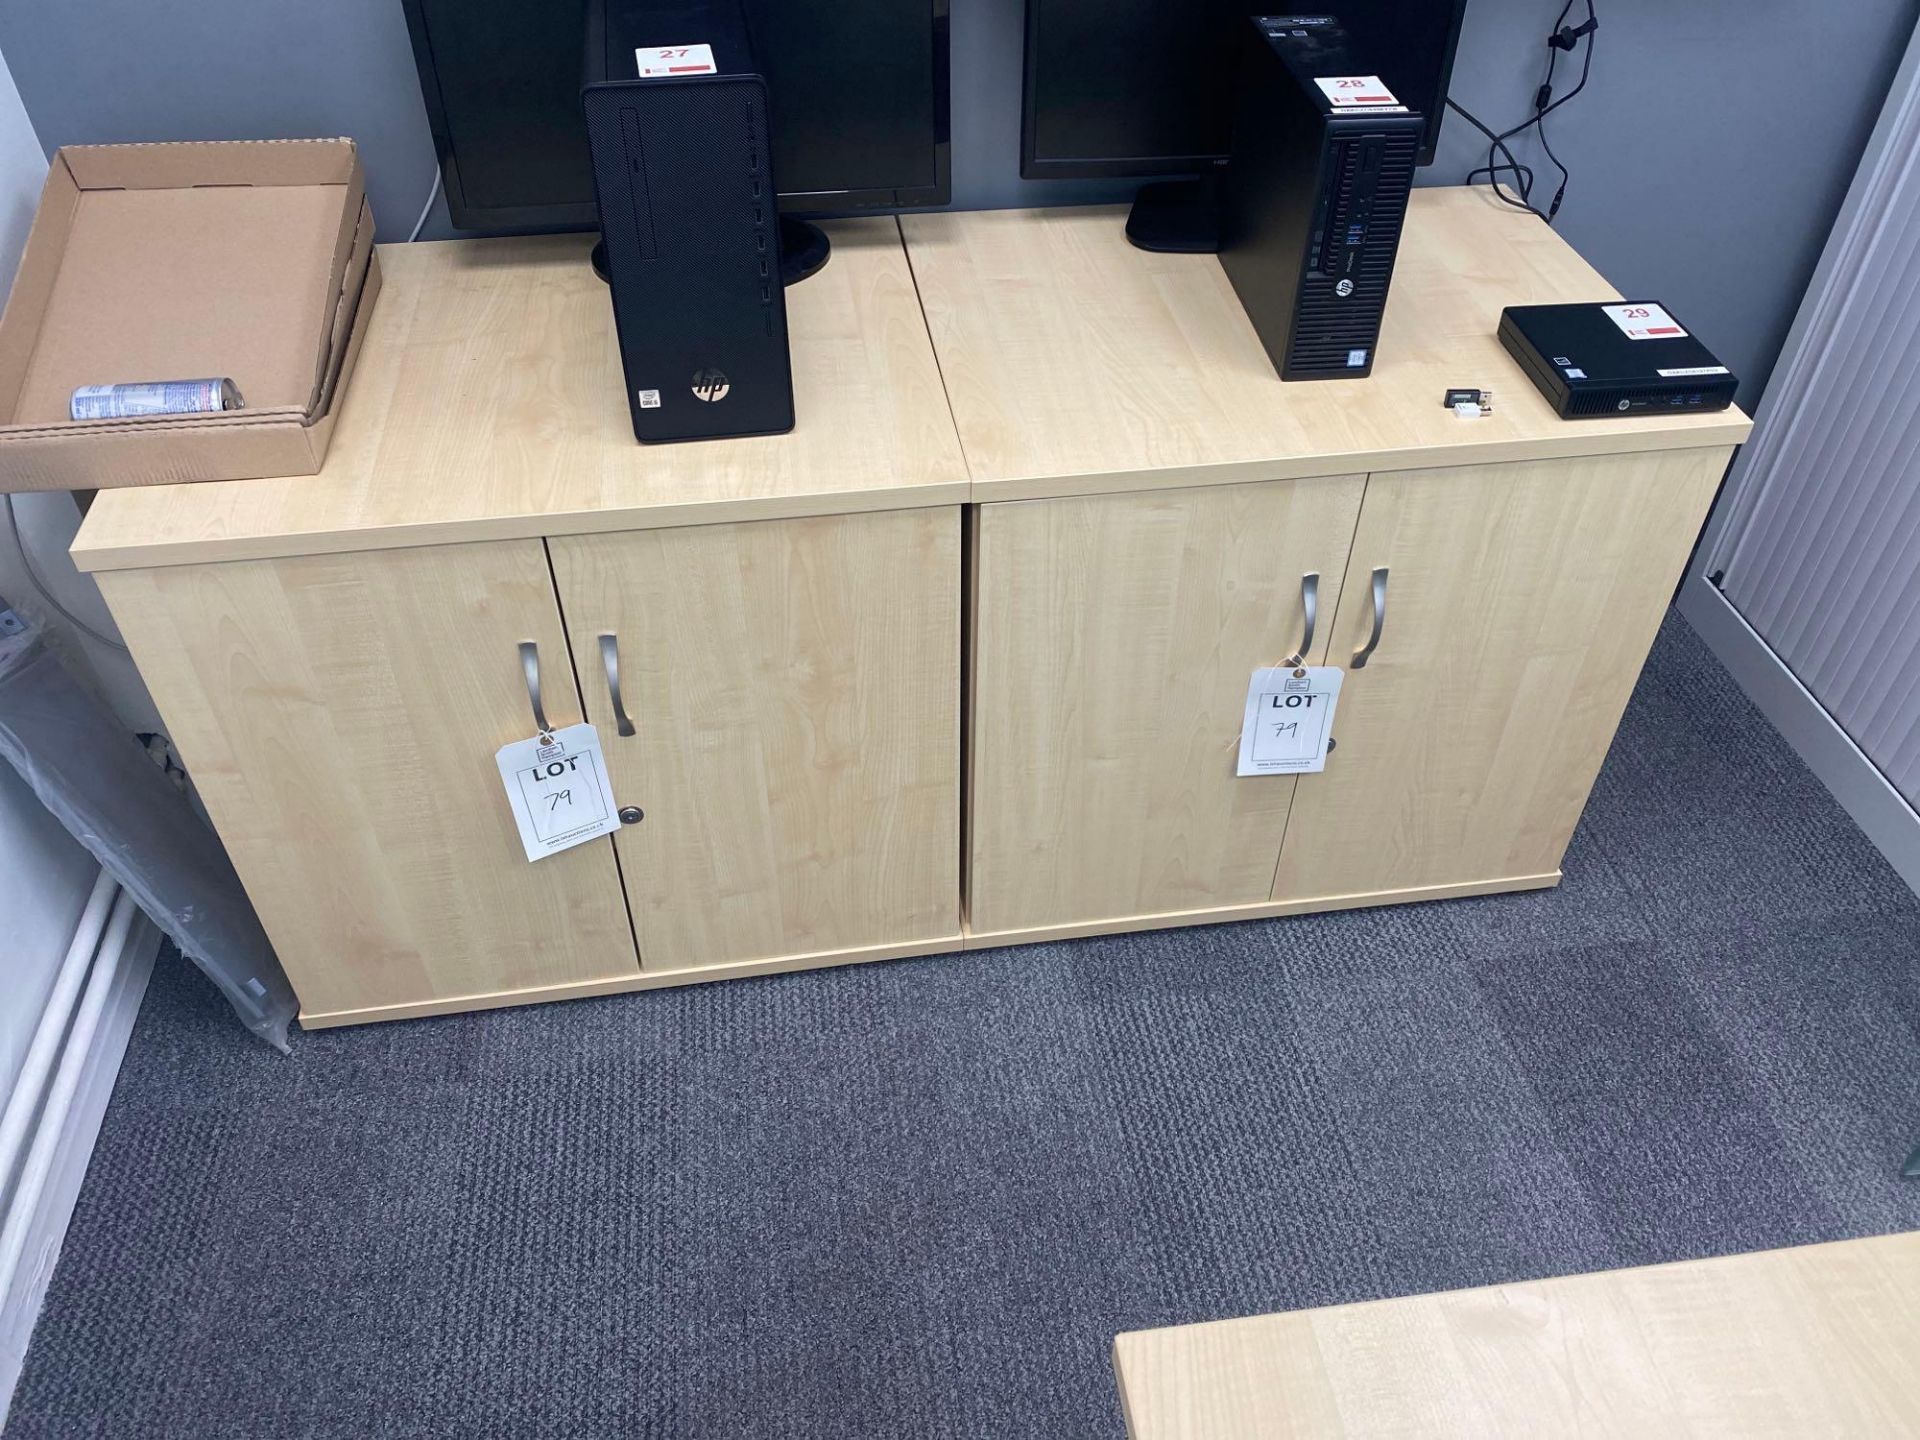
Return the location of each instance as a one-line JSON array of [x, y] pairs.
[[1821, 549]]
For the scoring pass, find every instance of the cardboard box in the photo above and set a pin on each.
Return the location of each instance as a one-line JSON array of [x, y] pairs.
[[248, 259]]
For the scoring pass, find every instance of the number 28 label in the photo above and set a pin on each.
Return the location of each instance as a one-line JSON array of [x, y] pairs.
[[1355, 92]]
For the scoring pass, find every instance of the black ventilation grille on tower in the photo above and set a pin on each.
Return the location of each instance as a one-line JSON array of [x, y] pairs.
[[1330, 327], [688, 214], [1315, 195]]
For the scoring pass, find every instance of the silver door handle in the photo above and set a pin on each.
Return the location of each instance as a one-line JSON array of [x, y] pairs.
[[530, 666], [1365, 652], [1310, 607], [610, 658]]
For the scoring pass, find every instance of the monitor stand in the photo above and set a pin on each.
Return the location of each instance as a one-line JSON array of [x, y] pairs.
[[804, 249], [1179, 217]]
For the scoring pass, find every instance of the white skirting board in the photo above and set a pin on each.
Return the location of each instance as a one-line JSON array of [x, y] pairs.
[[72, 1148], [1863, 792]]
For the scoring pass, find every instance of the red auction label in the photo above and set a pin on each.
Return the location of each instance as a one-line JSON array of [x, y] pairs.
[[664, 60], [1352, 92], [1640, 321]]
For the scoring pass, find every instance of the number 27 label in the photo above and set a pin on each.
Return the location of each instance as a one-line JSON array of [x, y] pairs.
[[662, 61]]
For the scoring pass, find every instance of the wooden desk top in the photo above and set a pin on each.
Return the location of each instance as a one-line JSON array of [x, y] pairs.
[[487, 404], [1819, 1340], [487, 400], [1077, 364]]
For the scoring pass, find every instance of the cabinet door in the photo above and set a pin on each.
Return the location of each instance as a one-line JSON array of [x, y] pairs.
[[794, 692], [340, 714], [1114, 638], [1521, 601]]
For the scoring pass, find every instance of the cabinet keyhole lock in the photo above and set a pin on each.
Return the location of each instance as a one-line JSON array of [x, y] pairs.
[[631, 815]]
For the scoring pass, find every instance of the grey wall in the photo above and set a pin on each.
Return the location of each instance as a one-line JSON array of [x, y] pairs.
[[96, 71], [1711, 152], [1709, 156]]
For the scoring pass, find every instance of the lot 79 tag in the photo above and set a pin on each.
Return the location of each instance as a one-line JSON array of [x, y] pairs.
[[558, 788], [1289, 720]]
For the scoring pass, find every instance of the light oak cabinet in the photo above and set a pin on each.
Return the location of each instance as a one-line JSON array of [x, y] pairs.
[[337, 655], [339, 715], [1113, 637], [1147, 494], [959, 662], [1521, 602], [793, 692], [795, 760]]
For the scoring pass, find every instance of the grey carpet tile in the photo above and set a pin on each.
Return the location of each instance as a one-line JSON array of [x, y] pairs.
[[1825, 1025], [920, 1198], [1667, 1141], [1460, 1162], [1709, 816]]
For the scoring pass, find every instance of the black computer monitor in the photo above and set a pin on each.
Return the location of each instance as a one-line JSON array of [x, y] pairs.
[[1145, 87], [858, 91]]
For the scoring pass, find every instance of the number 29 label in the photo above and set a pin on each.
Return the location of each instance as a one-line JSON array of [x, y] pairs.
[[1644, 321]]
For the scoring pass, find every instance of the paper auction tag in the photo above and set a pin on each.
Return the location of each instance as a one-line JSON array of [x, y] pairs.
[[1289, 720], [558, 787], [1644, 322], [1356, 92], [661, 60]]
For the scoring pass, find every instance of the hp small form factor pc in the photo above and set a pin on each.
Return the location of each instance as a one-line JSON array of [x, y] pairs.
[[1315, 195]]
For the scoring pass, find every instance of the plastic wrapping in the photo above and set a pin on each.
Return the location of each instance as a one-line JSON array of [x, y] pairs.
[[100, 783]]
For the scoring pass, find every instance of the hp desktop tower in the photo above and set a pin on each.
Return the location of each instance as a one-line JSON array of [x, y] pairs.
[[677, 124], [1316, 190]]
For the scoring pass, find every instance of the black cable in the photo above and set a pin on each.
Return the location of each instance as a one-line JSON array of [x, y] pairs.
[[1548, 104], [1559, 195], [1563, 37], [1544, 103], [1496, 146], [1523, 175]]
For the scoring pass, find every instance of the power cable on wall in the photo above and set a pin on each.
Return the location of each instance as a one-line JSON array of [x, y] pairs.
[[1564, 39], [433, 194]]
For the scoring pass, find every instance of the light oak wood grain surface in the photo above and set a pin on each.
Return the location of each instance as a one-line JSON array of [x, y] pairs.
[[339, 715], [1114, 637], [488, 404], [1820, 1340], [657, 978], [790, 614], [1076, 363], [1120, 924], [1521, 603], [794, 686]]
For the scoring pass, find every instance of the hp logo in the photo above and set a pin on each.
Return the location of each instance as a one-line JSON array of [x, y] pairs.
[[1343, 289], [710, 385]]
